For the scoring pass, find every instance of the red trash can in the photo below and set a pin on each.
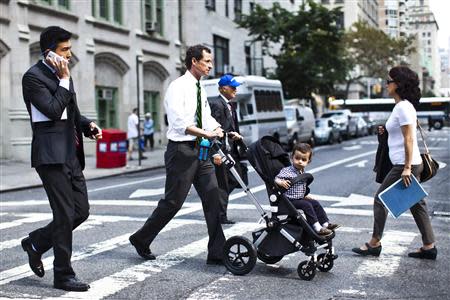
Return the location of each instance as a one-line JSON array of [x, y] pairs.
[[112, 149]]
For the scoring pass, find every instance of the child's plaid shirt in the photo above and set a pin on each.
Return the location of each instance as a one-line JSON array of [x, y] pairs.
[[298, 190]]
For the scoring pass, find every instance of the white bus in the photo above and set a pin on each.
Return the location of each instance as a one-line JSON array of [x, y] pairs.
[[260, 107]]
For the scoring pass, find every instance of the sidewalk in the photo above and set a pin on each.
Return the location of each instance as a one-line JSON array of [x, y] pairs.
[[15, 175]]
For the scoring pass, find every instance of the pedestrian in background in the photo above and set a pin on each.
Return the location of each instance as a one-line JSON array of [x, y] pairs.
[[132, 132], [57, 155], [190, 120], [148, 131], [224, 111], [403, 85]]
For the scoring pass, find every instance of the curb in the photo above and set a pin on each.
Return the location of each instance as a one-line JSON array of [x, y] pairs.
[[21, 188]]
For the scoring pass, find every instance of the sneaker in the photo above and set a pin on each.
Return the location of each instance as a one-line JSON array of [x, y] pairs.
[[333, 227], [324, 231]]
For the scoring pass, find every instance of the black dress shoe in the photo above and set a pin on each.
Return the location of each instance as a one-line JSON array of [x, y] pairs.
[[34, 258], [227, 221], [424, 254], [143, 251], [214, 261], [71, 284], [374, 251]]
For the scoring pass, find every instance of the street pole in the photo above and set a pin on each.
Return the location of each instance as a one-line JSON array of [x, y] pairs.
[[138, 58]]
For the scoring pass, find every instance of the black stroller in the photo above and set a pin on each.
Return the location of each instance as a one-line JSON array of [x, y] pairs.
[[286, 230]]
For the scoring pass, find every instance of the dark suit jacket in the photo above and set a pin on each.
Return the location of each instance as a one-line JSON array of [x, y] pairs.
[[53, 141], [222, 114]]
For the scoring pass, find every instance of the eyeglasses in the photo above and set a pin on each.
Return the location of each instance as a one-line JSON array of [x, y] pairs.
[[388, 81]]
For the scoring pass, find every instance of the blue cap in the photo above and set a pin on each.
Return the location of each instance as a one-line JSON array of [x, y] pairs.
[[228, 80]]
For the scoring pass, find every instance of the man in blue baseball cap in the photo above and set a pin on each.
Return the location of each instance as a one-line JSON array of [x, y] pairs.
[[223, 109]]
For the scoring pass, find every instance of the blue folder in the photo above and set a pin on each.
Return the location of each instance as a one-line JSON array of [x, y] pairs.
[[398, 198]]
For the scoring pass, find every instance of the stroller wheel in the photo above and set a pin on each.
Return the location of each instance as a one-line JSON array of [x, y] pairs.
[[325, 262], [306, 270], [239, 255], [270, 260]]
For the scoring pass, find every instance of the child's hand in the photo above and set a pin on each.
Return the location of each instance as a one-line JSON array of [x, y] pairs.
[[308, 198], [283, 183]]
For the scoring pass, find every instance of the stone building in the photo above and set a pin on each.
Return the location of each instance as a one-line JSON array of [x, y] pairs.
[[116, 45]]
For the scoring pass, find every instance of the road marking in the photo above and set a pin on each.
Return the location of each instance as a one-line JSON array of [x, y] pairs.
[[127, 184], [351, 148], [340, 162], [93, 249], [114, 283], [31, 218], [395, 244], [359, 164], [147, 193]]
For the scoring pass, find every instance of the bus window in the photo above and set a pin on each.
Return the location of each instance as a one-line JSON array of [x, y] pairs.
[[268, 101]]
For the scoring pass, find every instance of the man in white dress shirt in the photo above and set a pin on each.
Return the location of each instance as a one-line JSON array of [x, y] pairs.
[[190, 119]]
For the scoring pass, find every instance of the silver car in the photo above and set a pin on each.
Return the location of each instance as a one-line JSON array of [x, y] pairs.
[[327, 131]]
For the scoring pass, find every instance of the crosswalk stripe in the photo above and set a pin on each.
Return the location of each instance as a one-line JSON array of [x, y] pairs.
[[96, 248], [114, 283], [31, 218], [395, 244]]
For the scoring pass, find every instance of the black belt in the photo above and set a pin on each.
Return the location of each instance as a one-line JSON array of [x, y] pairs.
[[190, 143]]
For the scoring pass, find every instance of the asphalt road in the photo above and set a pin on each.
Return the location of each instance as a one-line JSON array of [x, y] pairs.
[[344, 182]]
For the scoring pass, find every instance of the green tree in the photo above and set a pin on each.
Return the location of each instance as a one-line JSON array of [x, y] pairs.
[[308, 49], [370, 53]]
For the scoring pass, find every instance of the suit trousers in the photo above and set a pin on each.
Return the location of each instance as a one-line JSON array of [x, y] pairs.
[[419, 210], [313, 210], [183, 168], [66, 191]]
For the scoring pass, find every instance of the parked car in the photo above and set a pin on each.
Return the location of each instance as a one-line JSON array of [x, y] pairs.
[[327, 131], [371, 125], [343, 119], [361, 127], [300, 124]]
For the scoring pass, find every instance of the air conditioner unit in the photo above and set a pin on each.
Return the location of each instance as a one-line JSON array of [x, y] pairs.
[[107, 94], [151, 27], [210, 4]]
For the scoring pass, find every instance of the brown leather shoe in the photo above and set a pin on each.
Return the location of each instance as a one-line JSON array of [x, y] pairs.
[[332, 226], [324, 231]]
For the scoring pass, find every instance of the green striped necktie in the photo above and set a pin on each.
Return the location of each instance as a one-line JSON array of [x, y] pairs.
[[198, 113]]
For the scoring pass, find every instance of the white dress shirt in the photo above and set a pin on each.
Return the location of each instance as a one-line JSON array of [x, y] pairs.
[[36, 115], [180, 103]]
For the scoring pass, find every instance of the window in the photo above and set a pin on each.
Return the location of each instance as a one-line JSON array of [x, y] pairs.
[[325, 1], [106, 102], [56, 3], [152, 101], [153, 16], [221, 55], [248, 60], [226, 9], [108, 10], [237, 10], [338, 1], [268, 101], [210, 4]]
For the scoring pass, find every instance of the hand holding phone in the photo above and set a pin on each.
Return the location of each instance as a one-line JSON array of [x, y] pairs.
[[59, 63], [57, 58]]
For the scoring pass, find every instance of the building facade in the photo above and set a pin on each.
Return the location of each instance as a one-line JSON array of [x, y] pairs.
[[117, 45]]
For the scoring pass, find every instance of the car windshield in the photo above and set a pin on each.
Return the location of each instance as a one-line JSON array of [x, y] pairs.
[[330, 114], [321, 123], [290, 114]]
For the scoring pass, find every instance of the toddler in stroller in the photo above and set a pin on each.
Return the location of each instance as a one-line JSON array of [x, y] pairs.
[[293, 180], [286, 230]]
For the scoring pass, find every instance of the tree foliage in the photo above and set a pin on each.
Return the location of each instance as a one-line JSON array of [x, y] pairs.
[[371, 52], [309, 50]]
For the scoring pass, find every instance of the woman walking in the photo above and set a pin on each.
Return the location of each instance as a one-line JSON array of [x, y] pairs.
[[403, 85]]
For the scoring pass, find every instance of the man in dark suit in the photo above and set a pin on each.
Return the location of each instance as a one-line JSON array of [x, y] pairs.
[[223, 109], [57, 155]]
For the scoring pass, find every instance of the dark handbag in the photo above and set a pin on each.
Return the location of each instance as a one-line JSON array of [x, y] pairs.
[[430, 166]]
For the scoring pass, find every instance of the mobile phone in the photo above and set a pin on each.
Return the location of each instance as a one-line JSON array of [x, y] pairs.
[[56, 57]]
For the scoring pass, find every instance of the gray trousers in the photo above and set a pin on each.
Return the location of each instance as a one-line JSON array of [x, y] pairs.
[[419, 210], [183, 168]]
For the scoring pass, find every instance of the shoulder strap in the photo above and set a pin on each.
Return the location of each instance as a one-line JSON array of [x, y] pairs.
[[423, 138]]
